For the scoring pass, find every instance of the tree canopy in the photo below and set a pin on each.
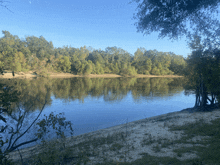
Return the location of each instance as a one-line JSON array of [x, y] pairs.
[[171, 17]]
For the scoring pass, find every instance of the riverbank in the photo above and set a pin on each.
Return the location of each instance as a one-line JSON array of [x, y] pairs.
[[180, 137], [31, 74]]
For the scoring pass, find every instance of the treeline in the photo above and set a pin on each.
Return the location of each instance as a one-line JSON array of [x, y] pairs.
[[37, 54]]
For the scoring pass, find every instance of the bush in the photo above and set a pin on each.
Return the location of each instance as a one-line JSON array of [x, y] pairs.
[[53, 153], [42, 73], [155, 71], [4, 160], [146, 72], [131, 71]]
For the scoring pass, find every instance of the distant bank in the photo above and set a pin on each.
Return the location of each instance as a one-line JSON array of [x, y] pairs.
[[32, 74]]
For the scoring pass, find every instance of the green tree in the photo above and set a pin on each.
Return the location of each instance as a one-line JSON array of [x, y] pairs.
[[64, 64], [76, 67], [139, 53], [148, 65], [40, 46], [178, 64], [98, 68], [203, 73], [155, 71], [161, 16], [88, 69]]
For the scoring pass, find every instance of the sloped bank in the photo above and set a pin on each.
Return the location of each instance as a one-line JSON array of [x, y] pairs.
[[174, 138]]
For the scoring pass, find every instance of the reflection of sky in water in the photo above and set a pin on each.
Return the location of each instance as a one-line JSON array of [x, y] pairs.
[[95, 113]]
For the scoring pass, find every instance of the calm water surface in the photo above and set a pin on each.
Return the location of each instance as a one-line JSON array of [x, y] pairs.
[[119, 104], [96, 114], [93, 104]]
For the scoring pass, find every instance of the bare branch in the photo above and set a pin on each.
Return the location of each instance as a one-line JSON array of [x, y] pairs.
[[21, 144], [12, 147], [29, 126], [2, 4]]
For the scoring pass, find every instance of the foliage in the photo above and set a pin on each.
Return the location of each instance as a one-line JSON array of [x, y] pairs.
[[9, 142], [203, 73], [43, 73], [64, 64], [39, 55], [170, 17], [55, 150], [55, 122], [16, 125], [7, 96], [52, 153]]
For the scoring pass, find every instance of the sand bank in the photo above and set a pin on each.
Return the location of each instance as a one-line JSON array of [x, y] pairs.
[[140, 136], [30, 74]]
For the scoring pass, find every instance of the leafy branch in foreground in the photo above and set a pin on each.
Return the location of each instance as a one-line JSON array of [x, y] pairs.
[[53, 149], [14, 133], [53, 122], [17, 126]]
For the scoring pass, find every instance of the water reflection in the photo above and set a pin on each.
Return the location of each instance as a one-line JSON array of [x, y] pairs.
[[113, 89], [96, 103]]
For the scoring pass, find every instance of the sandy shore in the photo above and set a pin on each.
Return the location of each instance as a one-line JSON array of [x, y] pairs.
[[135, 134], [30, 74]]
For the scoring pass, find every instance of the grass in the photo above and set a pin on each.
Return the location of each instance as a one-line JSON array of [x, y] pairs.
[[209, 153], [206, 147]]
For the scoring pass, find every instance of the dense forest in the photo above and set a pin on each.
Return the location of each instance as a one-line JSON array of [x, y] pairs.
[[39, 55]]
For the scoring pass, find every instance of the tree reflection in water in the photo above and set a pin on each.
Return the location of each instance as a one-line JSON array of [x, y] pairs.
[[23, 100]]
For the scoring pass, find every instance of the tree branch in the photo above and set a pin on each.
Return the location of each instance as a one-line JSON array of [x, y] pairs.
[[21, 144], [5, 6], [30, 125]]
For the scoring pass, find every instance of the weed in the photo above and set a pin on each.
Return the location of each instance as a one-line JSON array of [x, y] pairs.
[[156, 148], [116, 147]]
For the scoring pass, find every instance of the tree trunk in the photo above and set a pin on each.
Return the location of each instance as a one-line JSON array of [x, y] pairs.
[[204, 95], [197, 98]]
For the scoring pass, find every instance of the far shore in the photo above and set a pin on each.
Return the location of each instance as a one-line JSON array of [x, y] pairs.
[[31, 74]]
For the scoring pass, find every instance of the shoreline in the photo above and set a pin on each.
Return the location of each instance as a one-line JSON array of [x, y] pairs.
[[135, 133], [30, 75]]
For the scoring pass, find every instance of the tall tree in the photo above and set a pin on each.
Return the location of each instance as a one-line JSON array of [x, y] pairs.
[[170, 18], [40, 46], [203, 74]]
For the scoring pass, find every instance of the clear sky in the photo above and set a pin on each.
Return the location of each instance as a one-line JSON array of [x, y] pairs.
[[95, 23]]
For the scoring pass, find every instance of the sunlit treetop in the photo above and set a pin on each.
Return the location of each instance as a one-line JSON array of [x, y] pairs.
[[172, 18]]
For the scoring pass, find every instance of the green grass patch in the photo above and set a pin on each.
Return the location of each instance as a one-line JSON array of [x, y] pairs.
[[116, 147], [210, 152]]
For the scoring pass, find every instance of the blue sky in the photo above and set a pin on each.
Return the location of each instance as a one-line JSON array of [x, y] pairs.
[[95, 23]]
